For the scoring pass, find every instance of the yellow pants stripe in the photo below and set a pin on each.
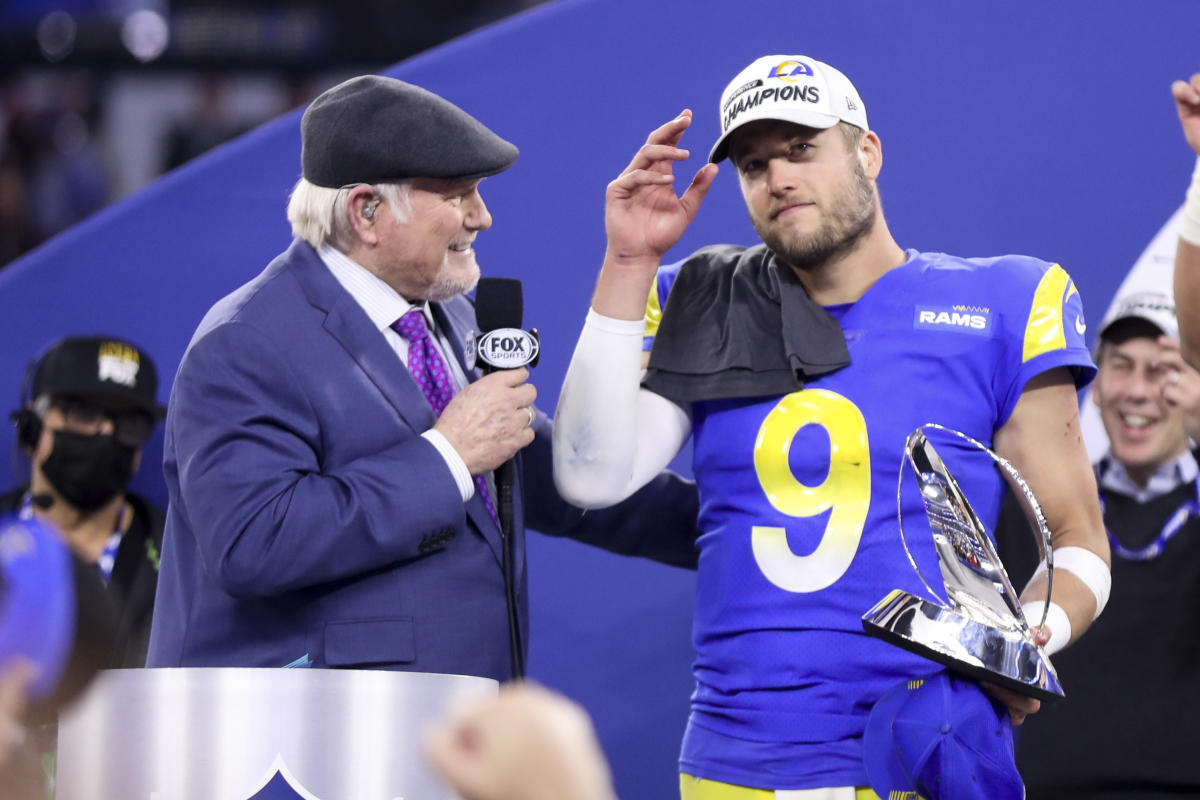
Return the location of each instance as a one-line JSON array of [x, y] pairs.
[[692, 788]]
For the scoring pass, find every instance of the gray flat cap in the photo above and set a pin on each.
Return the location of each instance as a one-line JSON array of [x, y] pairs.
[[373, 129]]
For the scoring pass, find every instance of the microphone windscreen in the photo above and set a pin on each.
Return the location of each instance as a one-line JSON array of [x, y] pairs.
[[498, 304]]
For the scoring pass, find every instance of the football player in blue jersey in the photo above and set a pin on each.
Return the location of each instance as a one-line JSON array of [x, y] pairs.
[[798, 367]]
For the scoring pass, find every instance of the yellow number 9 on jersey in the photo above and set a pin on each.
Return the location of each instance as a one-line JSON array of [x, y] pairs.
[[846, 489]]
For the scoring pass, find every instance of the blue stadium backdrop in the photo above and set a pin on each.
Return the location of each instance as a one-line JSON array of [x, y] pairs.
[[1030, 127]]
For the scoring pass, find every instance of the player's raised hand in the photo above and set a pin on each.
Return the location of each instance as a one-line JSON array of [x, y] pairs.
[[1187, 103], [643, 215]]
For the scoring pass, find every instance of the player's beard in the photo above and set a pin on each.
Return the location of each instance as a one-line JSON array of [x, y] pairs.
[[850, 217]]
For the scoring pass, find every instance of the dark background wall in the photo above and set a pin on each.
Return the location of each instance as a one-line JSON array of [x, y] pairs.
[[1026, 127]]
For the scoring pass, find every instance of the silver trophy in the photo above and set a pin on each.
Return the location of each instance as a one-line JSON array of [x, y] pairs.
[[979, 629]]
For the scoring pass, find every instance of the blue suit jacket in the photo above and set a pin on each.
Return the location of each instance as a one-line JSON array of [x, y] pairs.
[[308, 519]]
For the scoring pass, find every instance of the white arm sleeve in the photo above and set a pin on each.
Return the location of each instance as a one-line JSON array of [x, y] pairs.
[[611, 437]]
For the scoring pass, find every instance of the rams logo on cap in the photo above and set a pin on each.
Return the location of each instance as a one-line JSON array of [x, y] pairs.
[[119, 363], [786, 70]]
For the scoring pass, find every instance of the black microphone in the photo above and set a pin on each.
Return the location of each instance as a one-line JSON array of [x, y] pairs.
[[498, 303], [502, 344]]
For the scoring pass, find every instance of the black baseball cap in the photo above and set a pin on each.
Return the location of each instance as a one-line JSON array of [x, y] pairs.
[[109, 371]]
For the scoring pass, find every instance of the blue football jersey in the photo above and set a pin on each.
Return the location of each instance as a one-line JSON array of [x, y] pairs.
[[799, 506]]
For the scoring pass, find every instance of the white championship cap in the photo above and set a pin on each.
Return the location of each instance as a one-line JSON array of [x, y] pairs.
[[1156, 308], [795, 89]]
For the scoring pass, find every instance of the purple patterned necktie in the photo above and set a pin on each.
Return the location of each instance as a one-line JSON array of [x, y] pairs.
[[429, 370]]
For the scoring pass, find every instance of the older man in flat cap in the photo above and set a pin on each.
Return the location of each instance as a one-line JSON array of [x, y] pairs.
[[329, 454]]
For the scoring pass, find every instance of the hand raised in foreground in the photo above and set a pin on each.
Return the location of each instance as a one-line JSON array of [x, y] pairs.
[[527, 743]]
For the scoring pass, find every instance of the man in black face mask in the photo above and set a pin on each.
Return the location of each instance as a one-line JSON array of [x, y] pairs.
[[91, 407]]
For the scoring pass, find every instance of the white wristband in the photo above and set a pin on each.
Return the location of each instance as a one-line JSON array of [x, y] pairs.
[[1056, 620], [1189, 223], [1088, 567]]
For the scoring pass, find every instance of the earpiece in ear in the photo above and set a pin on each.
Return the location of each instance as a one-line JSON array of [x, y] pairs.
[[368, 209], [29, 428]]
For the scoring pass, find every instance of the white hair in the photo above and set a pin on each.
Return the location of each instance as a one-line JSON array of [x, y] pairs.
[[320, 214]]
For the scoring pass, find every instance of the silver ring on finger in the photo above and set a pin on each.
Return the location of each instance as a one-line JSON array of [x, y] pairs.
[[529, 410]]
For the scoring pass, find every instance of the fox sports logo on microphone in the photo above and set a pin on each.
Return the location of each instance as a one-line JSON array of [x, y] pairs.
[[503, 348]]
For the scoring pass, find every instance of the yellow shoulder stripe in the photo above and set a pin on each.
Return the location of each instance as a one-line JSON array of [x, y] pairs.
[[1044, 328], [653, 310]]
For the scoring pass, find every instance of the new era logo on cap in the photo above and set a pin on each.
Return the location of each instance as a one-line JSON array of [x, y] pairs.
[[790, 88]]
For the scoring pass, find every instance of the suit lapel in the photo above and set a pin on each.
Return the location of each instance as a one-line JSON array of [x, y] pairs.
[[346, 322], [349, 324], [457, 318]]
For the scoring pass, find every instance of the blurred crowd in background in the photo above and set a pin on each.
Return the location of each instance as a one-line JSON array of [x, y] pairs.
[[100, 97]]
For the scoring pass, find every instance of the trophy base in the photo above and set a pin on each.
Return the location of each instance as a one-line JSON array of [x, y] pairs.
[[1007, 658]]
